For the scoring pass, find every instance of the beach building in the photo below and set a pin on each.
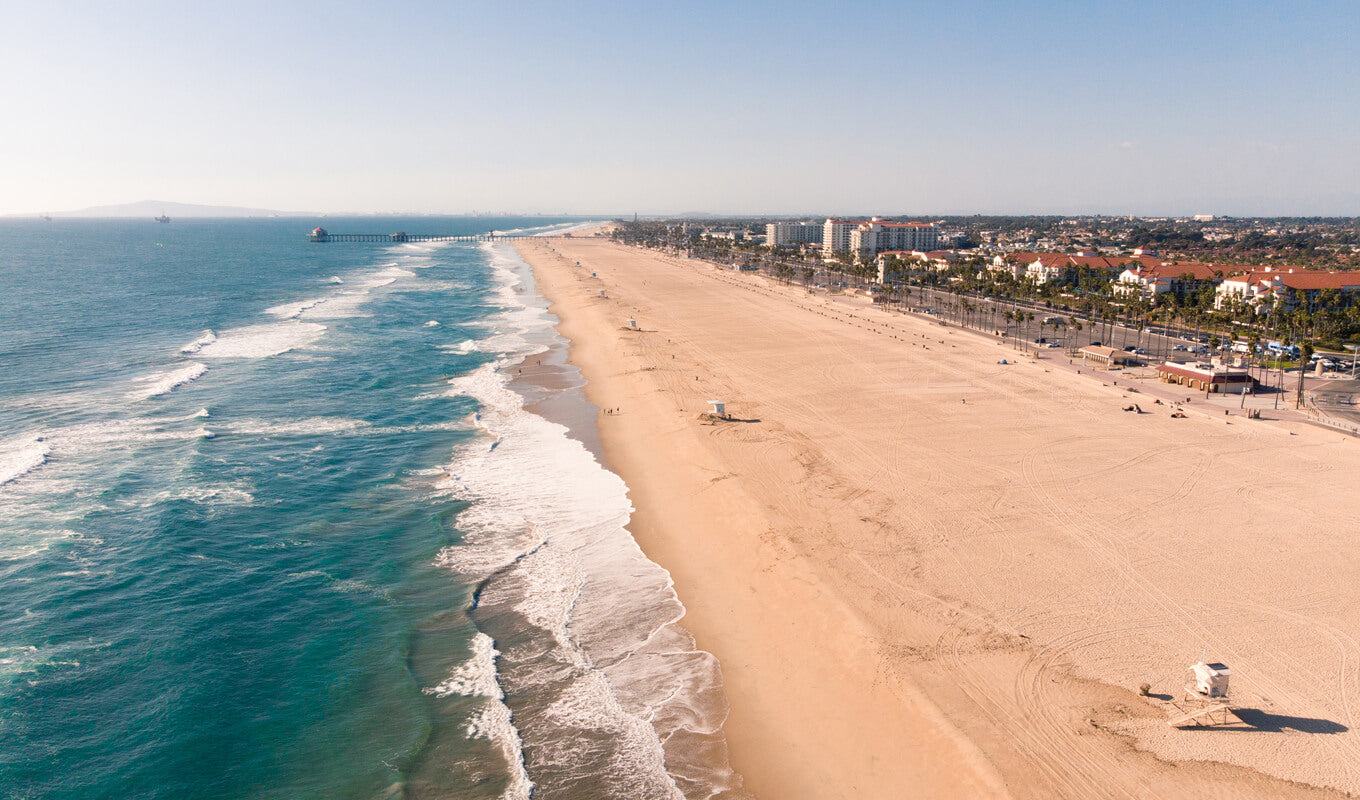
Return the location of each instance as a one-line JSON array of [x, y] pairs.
[[792, 234], [1207, 378], [875, 236], [1105, 357]]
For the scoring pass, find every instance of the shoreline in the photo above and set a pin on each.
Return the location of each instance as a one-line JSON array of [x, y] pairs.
[[878, 712]]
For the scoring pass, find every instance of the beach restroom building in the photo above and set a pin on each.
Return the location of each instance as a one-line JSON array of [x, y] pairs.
[[1105, 357], [1207, 378]]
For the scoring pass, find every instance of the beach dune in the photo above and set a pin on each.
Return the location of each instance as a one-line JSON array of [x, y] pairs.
[[928, 574]]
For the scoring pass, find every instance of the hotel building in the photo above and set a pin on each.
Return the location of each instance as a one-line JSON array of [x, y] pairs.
[[875, 236], [792, 234]]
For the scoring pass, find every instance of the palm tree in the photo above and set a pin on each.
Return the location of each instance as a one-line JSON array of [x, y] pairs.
[[1305, 353]]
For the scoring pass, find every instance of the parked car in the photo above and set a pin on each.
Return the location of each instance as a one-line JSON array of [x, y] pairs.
[[1128, 348], [1095, 344], [1180, 347], [1140, 352], [1053, 344]]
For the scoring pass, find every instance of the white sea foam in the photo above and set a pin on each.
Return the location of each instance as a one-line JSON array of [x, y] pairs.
[[492, 721], [545, 528], [19, 660], [160, 383], [201, 342], [434, 323], [207, 494], [386, 277], [476, 677], [46, 477], [307, 426], [462, 348], [20, 457], [263, 340], [293, 310], [202, 413], [342, 304], [335, 279]]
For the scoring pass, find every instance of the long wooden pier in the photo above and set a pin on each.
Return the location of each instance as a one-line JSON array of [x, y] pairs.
[[322, 235]]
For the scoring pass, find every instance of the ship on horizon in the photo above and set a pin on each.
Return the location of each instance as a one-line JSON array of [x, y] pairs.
[[162, 218]]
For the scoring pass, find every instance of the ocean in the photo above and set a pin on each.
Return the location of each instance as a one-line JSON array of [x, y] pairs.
[[286, 520]]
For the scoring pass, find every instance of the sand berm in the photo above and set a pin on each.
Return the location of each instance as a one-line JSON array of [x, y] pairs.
[[916, 596]]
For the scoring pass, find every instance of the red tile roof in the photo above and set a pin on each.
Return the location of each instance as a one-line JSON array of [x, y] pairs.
[[1176, 269]]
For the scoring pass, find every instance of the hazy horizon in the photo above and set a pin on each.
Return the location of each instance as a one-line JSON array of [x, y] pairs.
[[1244, 109]]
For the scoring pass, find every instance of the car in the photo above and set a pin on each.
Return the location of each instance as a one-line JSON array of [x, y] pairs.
[[1053, 344], [1128, 348], [1180, 347], [1095, 344], [1140, 352]]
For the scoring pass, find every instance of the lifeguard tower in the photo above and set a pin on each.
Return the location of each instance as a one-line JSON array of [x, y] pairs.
[[1209, 680], [1206, 696], [717, 408]]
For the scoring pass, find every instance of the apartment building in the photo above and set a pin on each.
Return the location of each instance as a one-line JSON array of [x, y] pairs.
[[874, 236], [792, 234]]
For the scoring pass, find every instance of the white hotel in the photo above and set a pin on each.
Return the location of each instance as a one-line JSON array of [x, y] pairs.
[[791, 234], [874, 236]]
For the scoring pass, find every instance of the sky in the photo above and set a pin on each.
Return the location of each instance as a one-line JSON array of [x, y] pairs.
[[960, 107]]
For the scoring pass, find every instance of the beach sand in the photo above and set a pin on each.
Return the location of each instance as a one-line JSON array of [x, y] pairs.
[[914, 595]]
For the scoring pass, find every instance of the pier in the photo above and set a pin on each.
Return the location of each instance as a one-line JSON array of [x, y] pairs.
[[322, 235]]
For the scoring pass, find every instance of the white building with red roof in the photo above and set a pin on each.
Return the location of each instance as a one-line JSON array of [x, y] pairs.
[[1285, 286], [1042, 268], [1179, 278]]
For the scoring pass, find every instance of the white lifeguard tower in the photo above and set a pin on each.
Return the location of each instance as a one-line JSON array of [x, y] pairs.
[[1206, 697], [602, 293], [717, 408], [1209, 679], [632, 323]]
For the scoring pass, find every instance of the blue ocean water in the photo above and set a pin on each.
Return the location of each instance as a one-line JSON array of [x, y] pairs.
[[276, 523]]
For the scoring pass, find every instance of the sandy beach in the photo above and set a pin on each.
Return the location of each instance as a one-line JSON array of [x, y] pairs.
[[929, 574]]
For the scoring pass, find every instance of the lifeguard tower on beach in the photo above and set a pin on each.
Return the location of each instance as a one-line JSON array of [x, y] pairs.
[[1206, 696], [1209, 680], [717, 408]]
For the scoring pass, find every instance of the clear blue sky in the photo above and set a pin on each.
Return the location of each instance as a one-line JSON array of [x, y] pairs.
[[892, 108]]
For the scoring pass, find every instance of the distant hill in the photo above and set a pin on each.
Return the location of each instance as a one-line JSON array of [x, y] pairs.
[[154, 208]]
